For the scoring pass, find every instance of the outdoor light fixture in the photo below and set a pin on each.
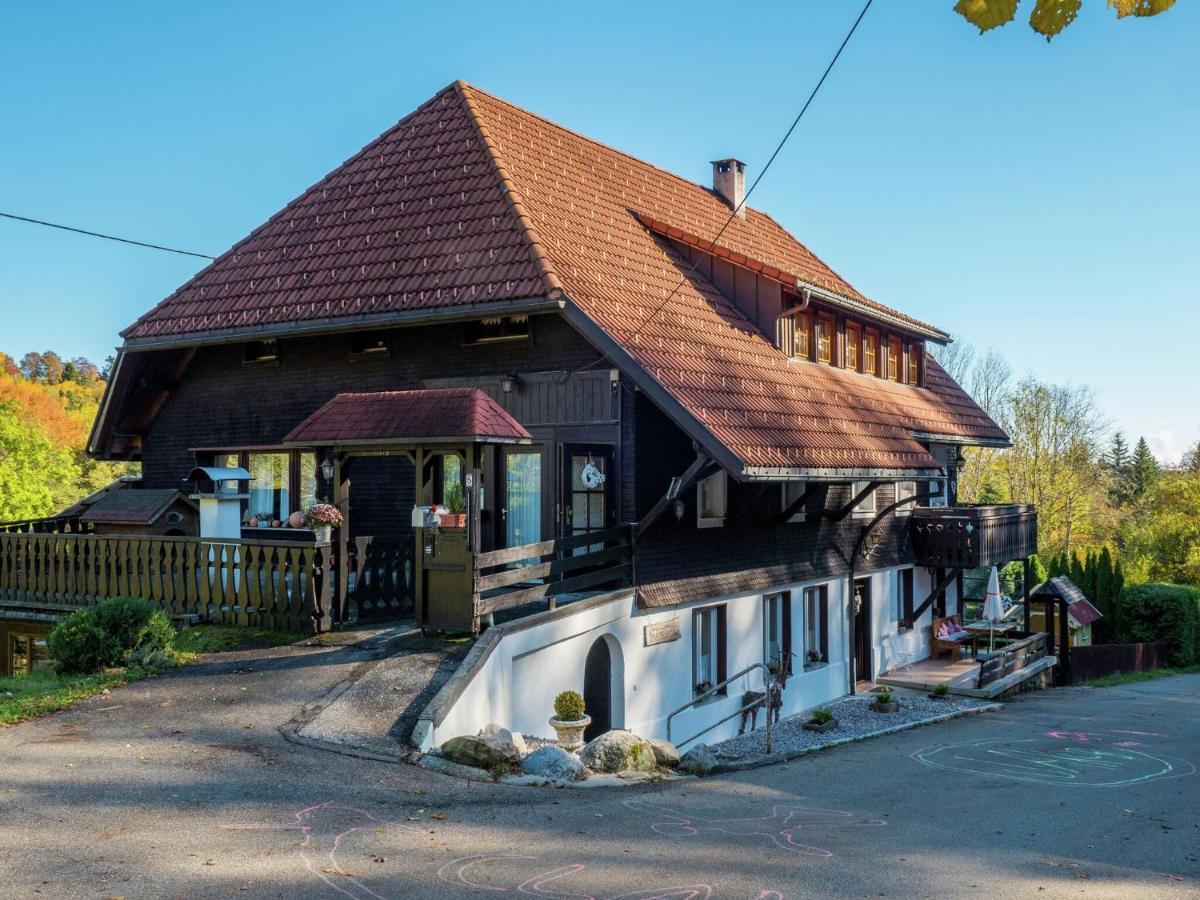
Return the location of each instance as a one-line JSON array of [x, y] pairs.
[[679, 510], [960, 462], [507, 384], [327, 468]]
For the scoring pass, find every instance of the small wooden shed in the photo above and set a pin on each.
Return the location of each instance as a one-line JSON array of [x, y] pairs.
[[159, 511]]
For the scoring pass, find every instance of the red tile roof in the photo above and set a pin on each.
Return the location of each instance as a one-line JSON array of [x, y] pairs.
[[471, 200], [408, 416], [134, 506]]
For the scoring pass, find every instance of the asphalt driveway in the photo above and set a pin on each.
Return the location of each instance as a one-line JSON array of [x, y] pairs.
[[184, 786]]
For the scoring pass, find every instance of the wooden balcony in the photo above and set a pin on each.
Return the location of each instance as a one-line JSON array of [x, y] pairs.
[[971, 537]]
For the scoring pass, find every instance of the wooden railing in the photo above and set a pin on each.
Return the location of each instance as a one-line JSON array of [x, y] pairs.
[[379, 576], [550, 569], [970, 537], [1011, 658], [46, 525], [258, 583]]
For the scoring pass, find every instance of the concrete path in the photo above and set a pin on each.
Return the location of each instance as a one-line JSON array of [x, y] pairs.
[[183, 786]]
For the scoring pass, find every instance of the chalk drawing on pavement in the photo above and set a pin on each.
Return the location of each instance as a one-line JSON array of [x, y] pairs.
[[787, 827]]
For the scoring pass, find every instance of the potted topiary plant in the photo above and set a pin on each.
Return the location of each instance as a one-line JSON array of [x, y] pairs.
[[821, 719], [884, 702], [569, 720], [940, 692]]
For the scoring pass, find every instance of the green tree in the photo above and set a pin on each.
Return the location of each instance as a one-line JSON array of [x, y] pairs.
[[1143, 470], [1048, 17], [1162, 540], [1117, 461], [1076, 571]]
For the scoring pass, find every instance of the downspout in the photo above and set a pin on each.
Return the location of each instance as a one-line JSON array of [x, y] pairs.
[[862, 539], [805, 299]]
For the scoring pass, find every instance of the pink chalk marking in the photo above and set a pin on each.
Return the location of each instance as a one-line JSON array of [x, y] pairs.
[[534, 886], [1138, 733], [458, 868], [1128, 744]]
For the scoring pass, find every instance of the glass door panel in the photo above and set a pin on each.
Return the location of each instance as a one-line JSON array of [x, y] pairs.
[[522, 510]]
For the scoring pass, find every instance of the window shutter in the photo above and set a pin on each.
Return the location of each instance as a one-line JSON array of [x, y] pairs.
[[721, 671], [786, 600]]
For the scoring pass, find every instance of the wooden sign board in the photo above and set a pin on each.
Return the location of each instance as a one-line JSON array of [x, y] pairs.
[[663, 632]]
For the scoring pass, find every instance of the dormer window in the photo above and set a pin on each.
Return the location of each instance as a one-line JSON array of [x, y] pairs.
[[912, 356], [825, 339], [802, 340], [893, 359], [871, 352], [853, 346]]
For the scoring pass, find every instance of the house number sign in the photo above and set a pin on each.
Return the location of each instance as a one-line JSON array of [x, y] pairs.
[[662, 632]]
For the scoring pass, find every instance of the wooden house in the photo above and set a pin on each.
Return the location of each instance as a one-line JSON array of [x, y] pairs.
[[655, 419]]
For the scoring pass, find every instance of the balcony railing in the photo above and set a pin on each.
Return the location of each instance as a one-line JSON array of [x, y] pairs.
[[971, 537]]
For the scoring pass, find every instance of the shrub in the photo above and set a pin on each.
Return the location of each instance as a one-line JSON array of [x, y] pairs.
[[568, 706], [1161, 612], [941, 690], [884, 696], [821, 715], [123, 618], [79, 646]]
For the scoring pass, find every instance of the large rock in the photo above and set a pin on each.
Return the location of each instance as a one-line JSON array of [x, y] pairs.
[[618, 751], [665, 753], [554, 763], [477, 751], [698, 761], [510, 743]]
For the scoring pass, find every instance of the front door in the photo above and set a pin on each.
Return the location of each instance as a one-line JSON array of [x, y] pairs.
[[862, 629], [587, 489]]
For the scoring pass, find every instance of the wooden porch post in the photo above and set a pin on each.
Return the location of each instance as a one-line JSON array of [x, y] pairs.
[[418, 568], [1027, 569], [474, 526], [341, 542]]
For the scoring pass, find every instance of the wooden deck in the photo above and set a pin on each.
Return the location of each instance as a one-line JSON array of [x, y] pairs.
[[927, 674]]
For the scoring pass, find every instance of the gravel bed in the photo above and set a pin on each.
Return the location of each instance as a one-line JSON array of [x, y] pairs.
[[854, 720], [534, 743]]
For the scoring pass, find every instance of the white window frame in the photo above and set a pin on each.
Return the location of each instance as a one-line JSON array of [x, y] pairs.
[[819, 593], [868, 505], [773, 606], [905, 489], [706, 619], [790, 492], [716, 485]]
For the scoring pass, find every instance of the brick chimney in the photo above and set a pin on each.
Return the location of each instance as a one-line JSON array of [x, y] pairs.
[[729, 180]]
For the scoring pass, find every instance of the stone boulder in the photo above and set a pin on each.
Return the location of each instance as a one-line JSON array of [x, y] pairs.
[[510, 743], [477, 751], [618, 751], [698, 761], [665, 753], [554, 763]]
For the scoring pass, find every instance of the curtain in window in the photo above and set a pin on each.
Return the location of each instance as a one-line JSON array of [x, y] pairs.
[[523, 498], [269, 486], [308, 480]]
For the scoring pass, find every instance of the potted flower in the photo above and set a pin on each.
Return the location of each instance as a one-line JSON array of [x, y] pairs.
[[455, 515], [821, 720], [940, 692], [885, 703], [569, 720], [322, 518]]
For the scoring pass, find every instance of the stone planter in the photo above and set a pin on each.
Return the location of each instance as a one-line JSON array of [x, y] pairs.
[[821, 727], [889, 707], [570, 731]]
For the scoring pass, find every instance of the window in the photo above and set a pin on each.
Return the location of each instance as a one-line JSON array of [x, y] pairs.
[[866, 506], [816, 626], [270, 488], [711, 501], [903, 598], [261, 352], [893, 359], [905, 489], [498, 328], [308, 479], [802, 335], [777, 631], [871, 353], [825, 339], [27, 654], [912, 357], [365, 342], [708, 648], [792, 492], [853, 346]]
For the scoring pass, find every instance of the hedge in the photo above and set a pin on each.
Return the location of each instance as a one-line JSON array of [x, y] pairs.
[[1162, 612]]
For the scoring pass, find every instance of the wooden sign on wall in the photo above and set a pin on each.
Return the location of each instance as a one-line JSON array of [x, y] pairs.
[[663, 632]]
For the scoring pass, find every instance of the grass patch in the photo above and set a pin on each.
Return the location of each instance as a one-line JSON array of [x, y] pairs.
[[1134, 677], [200, 639], [42, 693]]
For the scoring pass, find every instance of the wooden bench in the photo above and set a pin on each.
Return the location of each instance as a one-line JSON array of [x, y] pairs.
[[943, 645]]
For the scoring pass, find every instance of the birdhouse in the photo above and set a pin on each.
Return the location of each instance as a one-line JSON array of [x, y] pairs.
[[219, 492]]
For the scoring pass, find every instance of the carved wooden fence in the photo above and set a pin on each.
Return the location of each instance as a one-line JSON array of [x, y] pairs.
[[380, 576], [269, 585], [1011, 658]]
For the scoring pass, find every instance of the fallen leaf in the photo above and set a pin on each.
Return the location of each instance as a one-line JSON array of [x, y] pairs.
[[438, 816], [333, 870]]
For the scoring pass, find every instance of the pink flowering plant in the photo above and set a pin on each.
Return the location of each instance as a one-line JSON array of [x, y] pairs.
[[321, 514]]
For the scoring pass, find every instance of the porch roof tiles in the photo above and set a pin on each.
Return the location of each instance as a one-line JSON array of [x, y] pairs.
[[433, 415]]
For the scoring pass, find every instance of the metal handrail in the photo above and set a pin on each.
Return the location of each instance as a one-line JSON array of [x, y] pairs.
[[766, 701]]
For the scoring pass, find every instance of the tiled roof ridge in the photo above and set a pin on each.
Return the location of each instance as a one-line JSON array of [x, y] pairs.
[[466, 88], [511, 194]]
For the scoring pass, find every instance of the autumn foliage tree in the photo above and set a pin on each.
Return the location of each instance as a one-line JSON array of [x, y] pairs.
[[1048, 17]]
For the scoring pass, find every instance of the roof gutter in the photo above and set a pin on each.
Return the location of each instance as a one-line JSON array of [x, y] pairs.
[[333, 324], [961, 440], [933, 334]]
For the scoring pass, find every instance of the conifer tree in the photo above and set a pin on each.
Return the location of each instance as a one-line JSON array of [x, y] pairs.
[[1143, 470], [1076, 571]]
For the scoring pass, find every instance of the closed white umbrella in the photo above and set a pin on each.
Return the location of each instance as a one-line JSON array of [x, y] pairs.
[[993, 607]]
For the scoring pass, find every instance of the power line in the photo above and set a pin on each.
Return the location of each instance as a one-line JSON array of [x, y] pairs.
[[796, 121], [107, 237]]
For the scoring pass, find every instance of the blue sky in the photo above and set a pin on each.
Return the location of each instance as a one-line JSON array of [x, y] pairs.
[[1038, 198]]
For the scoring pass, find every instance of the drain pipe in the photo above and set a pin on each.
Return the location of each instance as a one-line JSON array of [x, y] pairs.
[[858, 545], [805, 299]]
